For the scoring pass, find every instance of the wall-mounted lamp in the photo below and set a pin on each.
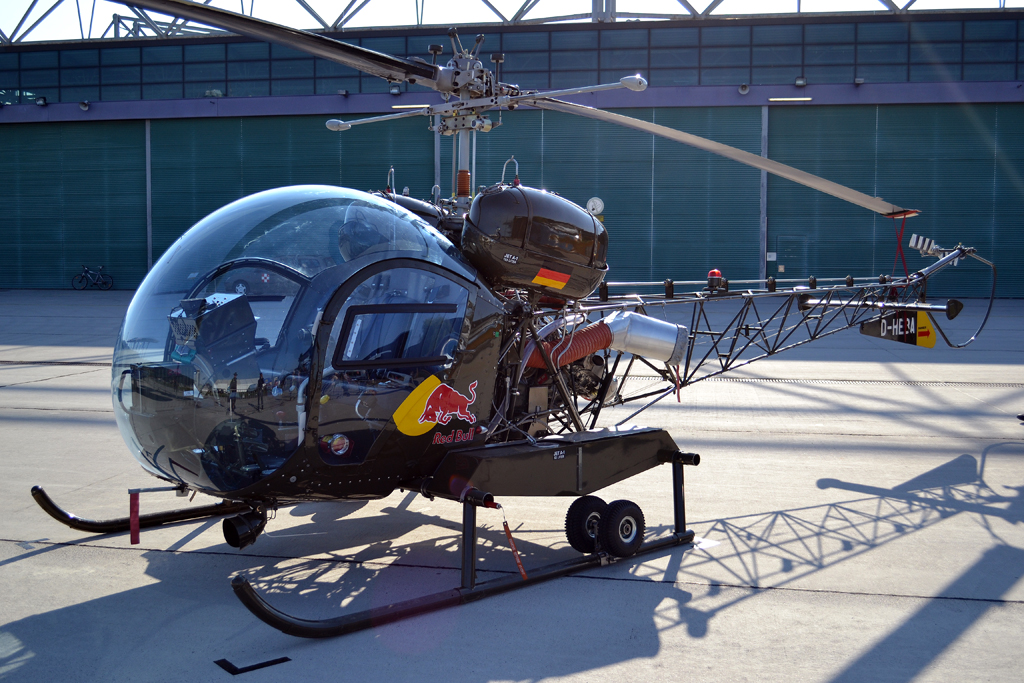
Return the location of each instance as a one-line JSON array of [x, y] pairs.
[[84, 106], [744, 89], [858, 81], [395, 89], [800, 81], [40, 101]]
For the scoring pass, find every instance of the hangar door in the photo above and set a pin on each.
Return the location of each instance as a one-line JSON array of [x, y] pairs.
[[74, 194], [961, 166]]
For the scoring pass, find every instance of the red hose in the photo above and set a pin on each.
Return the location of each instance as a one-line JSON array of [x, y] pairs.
[[573, 347]]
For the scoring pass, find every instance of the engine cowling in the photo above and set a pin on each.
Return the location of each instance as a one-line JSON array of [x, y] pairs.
[[525, 238]]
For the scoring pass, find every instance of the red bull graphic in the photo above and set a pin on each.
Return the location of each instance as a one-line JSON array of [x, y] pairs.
[[435, 403], [444, 402]]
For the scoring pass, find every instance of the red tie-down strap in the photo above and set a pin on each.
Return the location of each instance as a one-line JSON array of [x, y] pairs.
[[899, 247], [133, 516], [512, 544]]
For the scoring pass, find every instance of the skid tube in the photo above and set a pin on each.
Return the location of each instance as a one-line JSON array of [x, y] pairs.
[[121, 524], [470, 591]]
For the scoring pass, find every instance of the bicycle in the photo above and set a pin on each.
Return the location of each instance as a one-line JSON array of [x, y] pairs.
[[92, 277]]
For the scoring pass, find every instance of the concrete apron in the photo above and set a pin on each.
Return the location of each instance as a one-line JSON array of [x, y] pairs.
[[860, 521]]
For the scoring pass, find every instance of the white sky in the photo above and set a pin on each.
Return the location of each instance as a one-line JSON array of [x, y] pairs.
[[71, 19]]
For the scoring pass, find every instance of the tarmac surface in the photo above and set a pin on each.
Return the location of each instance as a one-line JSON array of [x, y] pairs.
[[859, 513]]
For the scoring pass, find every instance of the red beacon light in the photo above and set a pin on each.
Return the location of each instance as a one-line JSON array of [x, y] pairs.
[[714, 279]]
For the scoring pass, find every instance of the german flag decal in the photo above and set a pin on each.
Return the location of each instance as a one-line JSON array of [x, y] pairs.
[[550, 278]]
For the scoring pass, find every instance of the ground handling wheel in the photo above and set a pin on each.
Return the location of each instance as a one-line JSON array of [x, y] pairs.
[[80, 281], [621, 532], [583, 521]]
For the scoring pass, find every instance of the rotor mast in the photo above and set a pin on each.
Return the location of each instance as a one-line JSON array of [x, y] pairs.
[[471, 81]]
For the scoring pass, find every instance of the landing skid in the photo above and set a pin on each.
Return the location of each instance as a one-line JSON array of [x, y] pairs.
[[469, 591], [122, 524]]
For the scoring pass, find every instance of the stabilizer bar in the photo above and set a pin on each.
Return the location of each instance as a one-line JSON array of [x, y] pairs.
[[121, 524], [951, 308]]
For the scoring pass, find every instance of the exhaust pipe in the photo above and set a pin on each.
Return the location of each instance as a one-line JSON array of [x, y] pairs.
[[242, 530], [648, 337], [621, 331]]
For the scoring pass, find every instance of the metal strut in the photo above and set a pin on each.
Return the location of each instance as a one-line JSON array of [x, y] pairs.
[[470, 591], [121, 524]]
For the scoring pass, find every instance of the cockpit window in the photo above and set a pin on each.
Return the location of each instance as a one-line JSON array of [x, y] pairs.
[[371, 229], [399, 317], [270, 290], [318, 234], [399, 334], [397, 328]]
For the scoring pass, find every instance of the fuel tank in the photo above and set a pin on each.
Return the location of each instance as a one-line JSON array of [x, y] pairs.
[[526, 238]]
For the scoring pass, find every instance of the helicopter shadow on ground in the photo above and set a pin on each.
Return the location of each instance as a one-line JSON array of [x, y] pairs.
[[777, 549], [390, 570], [591, 625], [190, 605]]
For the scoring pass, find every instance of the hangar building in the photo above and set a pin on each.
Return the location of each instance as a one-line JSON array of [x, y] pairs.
[[113, 148]]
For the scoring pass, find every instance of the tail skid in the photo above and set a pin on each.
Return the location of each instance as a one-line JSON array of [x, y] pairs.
[[122, 524]]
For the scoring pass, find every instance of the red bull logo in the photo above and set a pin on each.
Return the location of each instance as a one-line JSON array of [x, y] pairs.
[[434, 403], [444, 402]]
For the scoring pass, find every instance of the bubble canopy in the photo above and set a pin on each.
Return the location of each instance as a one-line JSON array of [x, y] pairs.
[[211, 366]]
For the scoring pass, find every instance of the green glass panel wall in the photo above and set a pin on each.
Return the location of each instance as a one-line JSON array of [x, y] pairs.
[[195, 169], [960, 165], [74, 194], [707, 209]]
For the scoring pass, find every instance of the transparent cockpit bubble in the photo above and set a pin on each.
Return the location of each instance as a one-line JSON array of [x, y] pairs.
[[212, 365]]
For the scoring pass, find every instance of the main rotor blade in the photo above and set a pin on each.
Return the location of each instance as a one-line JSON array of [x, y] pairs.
[[368, 61], [876, 204]]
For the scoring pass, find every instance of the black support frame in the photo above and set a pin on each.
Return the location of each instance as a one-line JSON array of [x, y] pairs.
[[470, 590]]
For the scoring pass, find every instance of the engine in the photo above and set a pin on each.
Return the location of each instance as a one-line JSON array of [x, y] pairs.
[[583, 351]]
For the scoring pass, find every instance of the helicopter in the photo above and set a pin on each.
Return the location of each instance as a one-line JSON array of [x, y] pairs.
[[316, 343]]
